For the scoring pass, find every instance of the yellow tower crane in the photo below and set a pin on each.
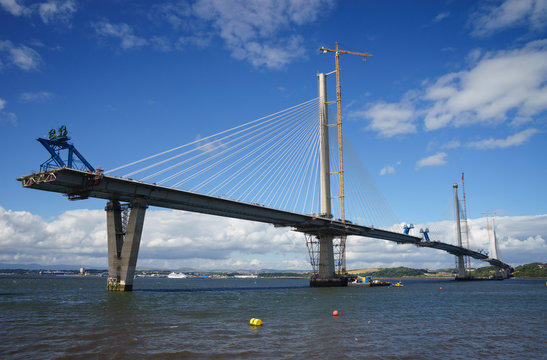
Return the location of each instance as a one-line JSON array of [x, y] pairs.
[[340, 171]]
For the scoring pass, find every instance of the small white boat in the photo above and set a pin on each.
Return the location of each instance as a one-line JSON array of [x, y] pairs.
[[175, 275]]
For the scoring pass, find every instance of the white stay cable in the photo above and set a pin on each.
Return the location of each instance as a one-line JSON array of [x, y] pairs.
[[297, 174], [208, 137], [278, 155], [245, 158], [275, 180], [313, 180], [279, 150], [309, 161], [207, 146], [222, 160], [282, 182], [257, 131]]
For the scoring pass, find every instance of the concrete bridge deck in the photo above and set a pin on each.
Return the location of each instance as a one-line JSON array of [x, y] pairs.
[[79, 184]]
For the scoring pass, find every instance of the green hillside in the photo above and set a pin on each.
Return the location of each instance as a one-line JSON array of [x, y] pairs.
[[533, 270]]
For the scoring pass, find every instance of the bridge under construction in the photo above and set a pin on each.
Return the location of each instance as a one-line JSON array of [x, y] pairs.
[[128, 199], [124, 236]]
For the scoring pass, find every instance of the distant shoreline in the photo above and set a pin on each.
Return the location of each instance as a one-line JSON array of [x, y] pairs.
[[526, 271]]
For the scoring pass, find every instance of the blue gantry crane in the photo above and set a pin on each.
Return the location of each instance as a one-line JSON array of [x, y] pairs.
[[54, 144], [407, 228]]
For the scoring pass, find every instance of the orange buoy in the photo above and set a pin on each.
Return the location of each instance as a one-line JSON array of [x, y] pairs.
[[335, 313], [441, 288]]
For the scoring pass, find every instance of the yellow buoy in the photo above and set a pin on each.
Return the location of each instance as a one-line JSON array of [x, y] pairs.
[[255, 322]]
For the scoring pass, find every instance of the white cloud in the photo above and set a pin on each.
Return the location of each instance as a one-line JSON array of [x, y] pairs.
[[510, 13], [513, 140], [433, 160], [6, 117], [387, 170], [57, 10], [390, 169], [40, 96], [453, 144], [275, 54], [161, 43], [257, 31], [498, 84], [261, 33], [172, 238], [175, 239], [496, 87], [122, 32], [521, 239], [388, 119], [25, 58], [49, 11], [176, 14], [13, 7], [441, 16], [20, 56]]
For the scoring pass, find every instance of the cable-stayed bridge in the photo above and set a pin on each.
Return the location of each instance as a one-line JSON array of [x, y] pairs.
[[275, 170]]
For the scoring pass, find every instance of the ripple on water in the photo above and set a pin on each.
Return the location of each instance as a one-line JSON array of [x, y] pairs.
[[204, 318]]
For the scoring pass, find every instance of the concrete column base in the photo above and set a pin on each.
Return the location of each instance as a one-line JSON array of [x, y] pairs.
[[326, 258], [115, 285], [334, 282], [461, 267]]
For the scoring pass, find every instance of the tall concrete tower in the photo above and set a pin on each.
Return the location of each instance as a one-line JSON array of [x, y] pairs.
[[324, 263], [326, 254]]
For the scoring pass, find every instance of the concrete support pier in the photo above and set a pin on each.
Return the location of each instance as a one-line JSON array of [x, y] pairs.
[[123, 247], [326, 257], [326, 275]]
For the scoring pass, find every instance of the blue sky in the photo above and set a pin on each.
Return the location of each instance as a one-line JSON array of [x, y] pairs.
[[453, 86]]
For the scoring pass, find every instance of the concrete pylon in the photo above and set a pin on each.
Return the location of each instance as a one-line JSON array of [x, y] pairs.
[[324, 162], [123, 248], [326, 253], [326, 273]]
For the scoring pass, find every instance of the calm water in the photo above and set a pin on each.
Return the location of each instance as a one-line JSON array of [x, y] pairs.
[[51, 318]]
